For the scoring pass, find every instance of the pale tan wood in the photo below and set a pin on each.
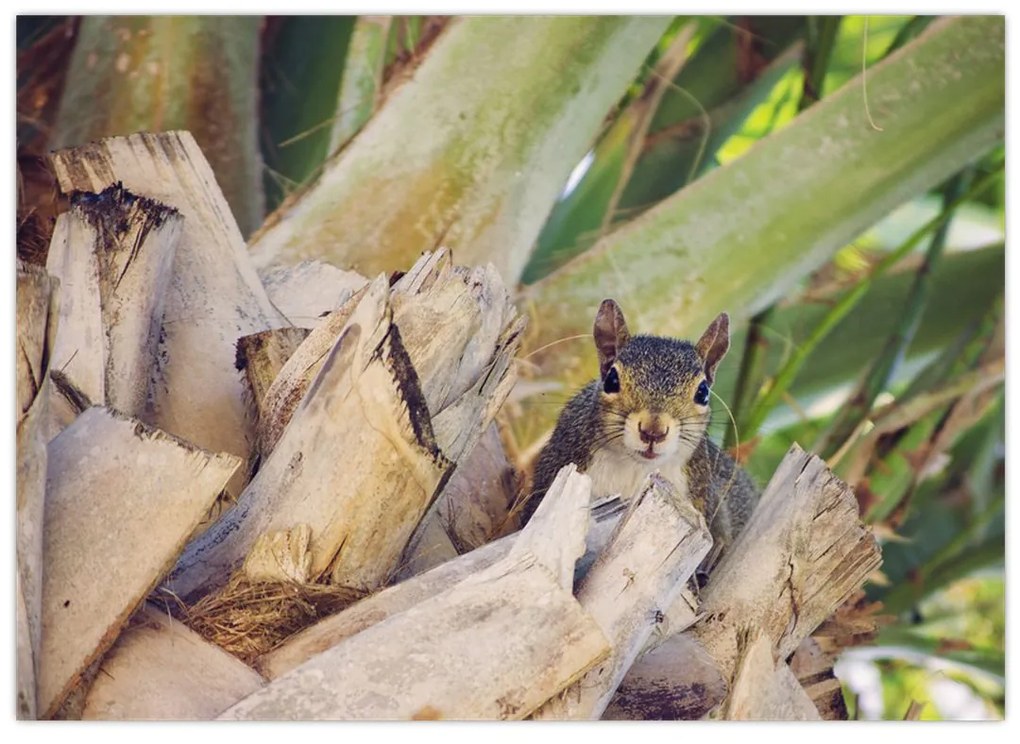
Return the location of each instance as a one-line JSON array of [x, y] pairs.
[[655, 548], [37, 313], [803, 552], [113, 253], [37, 302], [462, 332], [462, 418], [764, 690], [555, 534], [292, 381], [308, 291], [25, 709], [280, 556], [359, 458], [121, 500], [801, 555], [398, 598], [159, 670], [357, 463], [677, 680], [495, 646], [430, 546], [261, 357], [451, 318], [792, 701], [471, 510], [375, 608], [459, 330], [215, 296]]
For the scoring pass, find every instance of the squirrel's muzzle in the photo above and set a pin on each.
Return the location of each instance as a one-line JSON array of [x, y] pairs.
[[654, 433]]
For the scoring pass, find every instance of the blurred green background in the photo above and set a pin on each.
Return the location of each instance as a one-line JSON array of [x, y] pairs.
[[835, 183]]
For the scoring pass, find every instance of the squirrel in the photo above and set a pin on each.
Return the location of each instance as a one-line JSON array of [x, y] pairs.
[[649, 410]]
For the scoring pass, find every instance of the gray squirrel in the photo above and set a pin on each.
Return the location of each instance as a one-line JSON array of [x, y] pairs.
[[649, 410]]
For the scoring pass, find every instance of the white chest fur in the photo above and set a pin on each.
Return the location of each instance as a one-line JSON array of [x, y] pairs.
[[614, 473]]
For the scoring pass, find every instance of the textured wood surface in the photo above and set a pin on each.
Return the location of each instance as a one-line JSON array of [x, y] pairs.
[[121, 501], [37, 300], [215, 296], [159, 670], [494, 646], [113, 253], [654, 550]]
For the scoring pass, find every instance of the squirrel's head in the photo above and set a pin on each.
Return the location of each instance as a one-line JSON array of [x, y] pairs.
[[655, 390]]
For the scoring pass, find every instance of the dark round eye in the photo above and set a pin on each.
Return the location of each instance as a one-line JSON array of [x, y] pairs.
[[612, 382], [701, 395]]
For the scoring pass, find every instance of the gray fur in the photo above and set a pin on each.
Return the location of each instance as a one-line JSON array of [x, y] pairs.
[[662, 369]]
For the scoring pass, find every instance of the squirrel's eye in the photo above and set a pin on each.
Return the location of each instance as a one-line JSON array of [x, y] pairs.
[[612, 382], [701, 396]]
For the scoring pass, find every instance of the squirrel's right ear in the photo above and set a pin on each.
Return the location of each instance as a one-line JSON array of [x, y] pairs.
[[611, 334]]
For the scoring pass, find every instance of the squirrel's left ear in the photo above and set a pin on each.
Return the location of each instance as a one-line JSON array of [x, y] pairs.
[[713, 344]]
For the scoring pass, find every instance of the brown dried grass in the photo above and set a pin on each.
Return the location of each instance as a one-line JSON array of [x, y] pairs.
[[249, 619]]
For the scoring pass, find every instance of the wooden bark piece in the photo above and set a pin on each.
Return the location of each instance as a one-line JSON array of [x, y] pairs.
[[676, 680], [305, 293], [358, 464], [359, 458], [555, 534], [764, 690], [656, 547], [802, 554], [159, 670], [813, 669], [471, 510], [378, 607], [260, 357], [302, 366], [281, 556], [215, 296], [452, 318], [394, 600], [26, 697], [462, 332], [495, 646], [430, 546], [37, 316], [474, 506], [113, 253], [121, 500]]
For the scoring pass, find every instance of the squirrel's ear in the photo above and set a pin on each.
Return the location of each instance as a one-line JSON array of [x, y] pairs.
[[611, 334], [713, 344]]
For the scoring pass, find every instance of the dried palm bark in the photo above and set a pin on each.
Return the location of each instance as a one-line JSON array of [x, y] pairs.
[[214, 297], [405, 595], [37, 313], [804, 552], [159, 670], [654, 551], [113, 253], [121, 501], [495, 646], [365, 423]]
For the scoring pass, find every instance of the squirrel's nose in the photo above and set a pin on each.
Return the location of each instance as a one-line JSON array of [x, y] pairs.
[[654, 434]]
